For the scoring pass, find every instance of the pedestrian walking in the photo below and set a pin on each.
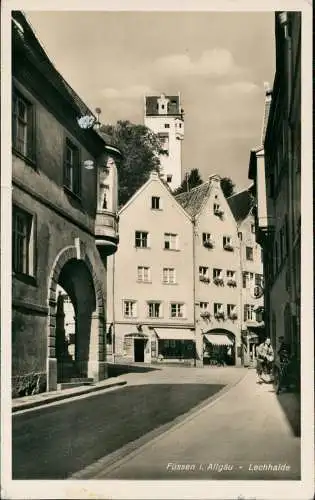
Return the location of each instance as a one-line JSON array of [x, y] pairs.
[[265, 358]]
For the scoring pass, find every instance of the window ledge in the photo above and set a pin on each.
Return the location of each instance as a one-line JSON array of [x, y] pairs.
[[27, 159], [144, 282], [25, 278], [172, 249], [71, 193], [142, 248], [166, 283]]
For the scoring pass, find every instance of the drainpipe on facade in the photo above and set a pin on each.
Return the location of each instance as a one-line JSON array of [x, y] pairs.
[[246, 361], [194, 289], [113, 313]]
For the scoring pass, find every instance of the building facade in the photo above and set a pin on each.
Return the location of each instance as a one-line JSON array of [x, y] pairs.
[[164, 116], [151, 313], [62, 232], [275, 168]]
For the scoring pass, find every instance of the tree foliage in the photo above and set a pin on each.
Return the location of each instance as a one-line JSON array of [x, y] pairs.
[[227, 186], [140, 148], [193, 179]]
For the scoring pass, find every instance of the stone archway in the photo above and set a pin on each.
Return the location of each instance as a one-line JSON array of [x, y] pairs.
[[222, 343], [69, 261]]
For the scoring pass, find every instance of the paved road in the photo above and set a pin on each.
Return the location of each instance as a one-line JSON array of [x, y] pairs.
[[246, 431], [57, 441]]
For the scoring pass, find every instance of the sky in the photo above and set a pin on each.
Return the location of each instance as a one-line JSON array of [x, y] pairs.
[[218, 61]]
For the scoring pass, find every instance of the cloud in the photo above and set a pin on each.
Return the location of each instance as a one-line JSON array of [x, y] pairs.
[[212, 63], [238, 88], [127, 93]]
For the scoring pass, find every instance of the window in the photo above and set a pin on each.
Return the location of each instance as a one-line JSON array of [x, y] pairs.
[[154, 309], [130, 308], [249, 312], [217, 308], [226, 240], [170, 241], [143, 274], [231, 309], [72, 171], [206, 237], [166, 125], [203, 306], [169, 178], [216, 207], [259, 279], [169, 275], [240, 235], [155, 203], [23, 135], [22, 242], [230, 274], [252, 228], [249, 253], [248, 279], [177, 310], [217, 273], [203, 271], [164, 140], [141, 239]]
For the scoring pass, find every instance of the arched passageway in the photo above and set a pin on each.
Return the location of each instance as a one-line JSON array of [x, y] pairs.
[[77, 279]]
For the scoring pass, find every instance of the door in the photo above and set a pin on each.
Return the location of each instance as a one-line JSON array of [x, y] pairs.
[[139, 350]]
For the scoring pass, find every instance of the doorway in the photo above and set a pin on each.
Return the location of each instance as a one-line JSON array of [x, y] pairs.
[[139, 350]]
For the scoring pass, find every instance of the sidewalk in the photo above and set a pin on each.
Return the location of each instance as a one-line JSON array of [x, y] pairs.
[[43, 398], [246, 431]]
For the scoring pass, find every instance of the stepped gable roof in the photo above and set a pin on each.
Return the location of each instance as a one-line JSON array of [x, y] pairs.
[[192, 200], [241, 204]]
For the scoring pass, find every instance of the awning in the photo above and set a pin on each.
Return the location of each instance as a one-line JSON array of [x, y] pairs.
[[174, 334], [218, 339]]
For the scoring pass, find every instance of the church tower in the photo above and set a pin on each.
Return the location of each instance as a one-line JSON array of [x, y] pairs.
[[164, 116]]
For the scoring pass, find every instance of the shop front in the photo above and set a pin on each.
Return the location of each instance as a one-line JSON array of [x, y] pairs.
[[218, 348], [175, 345]]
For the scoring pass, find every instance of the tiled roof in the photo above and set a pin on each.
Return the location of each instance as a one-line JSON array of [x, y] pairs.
[[39, 58], [151, 105], [192, 200], [240, 204]]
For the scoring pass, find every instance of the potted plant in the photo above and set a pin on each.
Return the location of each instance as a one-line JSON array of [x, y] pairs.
[[203, 278], [233, 316], [229, 247], [231, 282], [219, 315], [218, 281], [208, 244], [205, 315], [219, 212]]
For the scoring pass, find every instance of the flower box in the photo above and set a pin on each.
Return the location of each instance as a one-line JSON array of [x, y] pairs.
[[204, 279], [219, 212], [205, 315], [219, 316], [231, 282], [218, 281], [233, 316], [229, 247], [208, 244]]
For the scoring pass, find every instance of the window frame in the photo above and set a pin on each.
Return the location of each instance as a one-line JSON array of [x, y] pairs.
[[140, 238], [141, 276], [154, 303], [134, 303], [28, 273], [171, 236], [180, 311], [169, 281], [74, 187], [153, 200], [252, 253], [29, 151]]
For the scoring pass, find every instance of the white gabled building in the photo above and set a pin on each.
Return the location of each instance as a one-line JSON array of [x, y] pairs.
[[150, 294], [217, 271]]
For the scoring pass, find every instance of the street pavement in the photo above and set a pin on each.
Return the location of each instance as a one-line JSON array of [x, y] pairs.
[[245, 432], [62, 438]]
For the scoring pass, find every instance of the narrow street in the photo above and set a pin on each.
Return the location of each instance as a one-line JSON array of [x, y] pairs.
[[57, 441], [168, 417], [245, 431]]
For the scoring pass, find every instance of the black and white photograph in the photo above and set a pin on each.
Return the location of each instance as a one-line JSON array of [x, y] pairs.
[[157, 271]]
